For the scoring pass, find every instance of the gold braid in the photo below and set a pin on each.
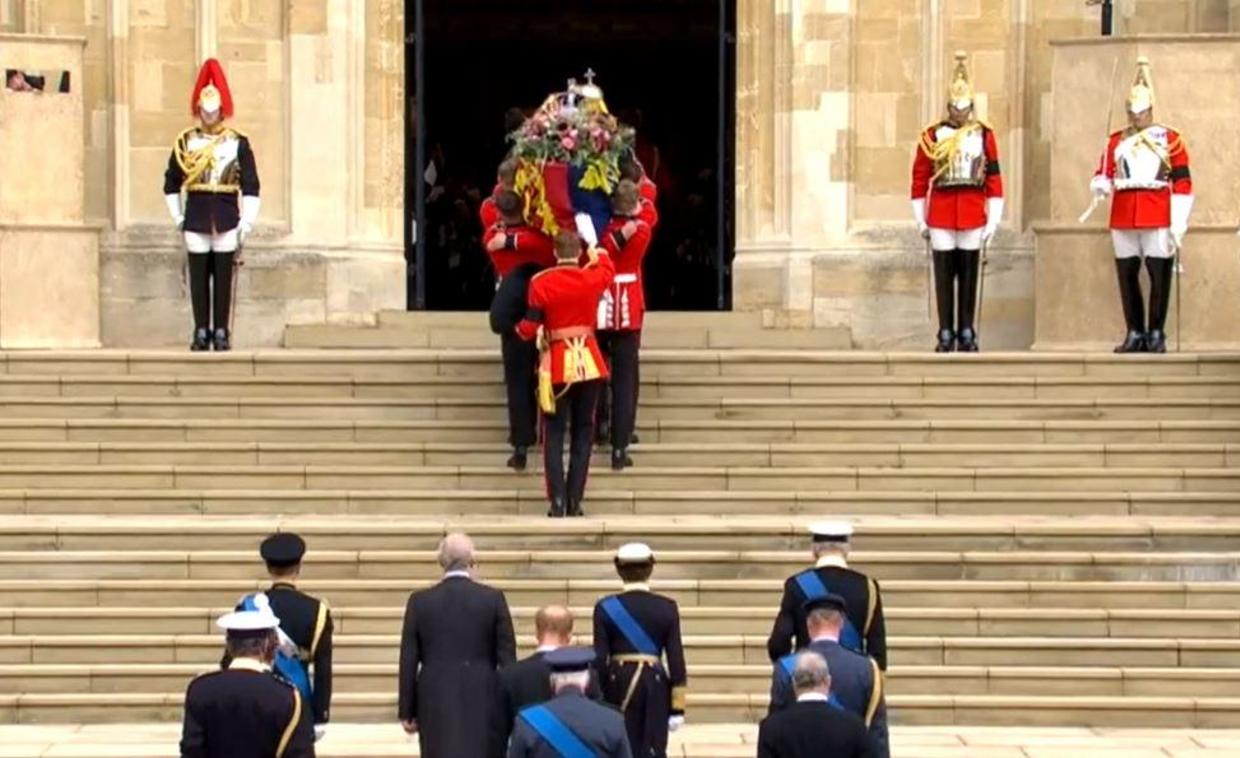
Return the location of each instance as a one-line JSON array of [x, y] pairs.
[[940, 153], [195, 163]]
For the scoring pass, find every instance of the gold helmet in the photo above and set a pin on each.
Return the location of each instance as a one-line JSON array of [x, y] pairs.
[[1141, 96], [960, 94]]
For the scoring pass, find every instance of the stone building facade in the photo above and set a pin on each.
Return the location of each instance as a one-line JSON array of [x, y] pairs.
[[830, 97]]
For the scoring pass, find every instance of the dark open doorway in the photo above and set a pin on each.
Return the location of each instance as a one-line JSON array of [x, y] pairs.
[[666, 67]]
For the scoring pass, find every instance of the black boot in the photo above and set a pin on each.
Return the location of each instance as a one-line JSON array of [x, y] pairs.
[[557, 508], [1128, 272], [1161, 272], [202, 341], [946, 263], [517, 461], [620, 460], [947, 341], [221, 343], [969, 267], [966, 341], [574, 509]]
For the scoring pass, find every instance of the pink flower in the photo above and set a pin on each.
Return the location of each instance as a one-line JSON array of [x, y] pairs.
[[568, 143]]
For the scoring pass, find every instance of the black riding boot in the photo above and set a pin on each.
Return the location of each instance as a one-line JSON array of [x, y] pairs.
[[969, 267], [1128, 270], [945, 267], [1161, 272]]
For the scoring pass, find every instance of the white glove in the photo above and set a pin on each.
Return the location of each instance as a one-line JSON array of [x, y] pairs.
[[675, 722], [319, 731], [174, 209], [249, 214], [994, 214], [243, 230], [1100, 186], [1181, 207], [919, 215]]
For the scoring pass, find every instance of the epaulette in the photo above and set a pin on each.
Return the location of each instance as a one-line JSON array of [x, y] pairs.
[[276, 675]]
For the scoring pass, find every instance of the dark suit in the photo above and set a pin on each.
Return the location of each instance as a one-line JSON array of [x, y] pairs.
[[813, 730], [599, 727], [660, 692], [520, 358], [300, 616], [856, 688], [859, 592], [239, 713], [528, 682], [456, 636]]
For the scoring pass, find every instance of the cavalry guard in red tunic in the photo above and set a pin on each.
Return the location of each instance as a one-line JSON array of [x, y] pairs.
[[1145, 170], [957, 203]]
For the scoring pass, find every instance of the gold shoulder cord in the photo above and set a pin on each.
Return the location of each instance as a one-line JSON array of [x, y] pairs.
[[287, 737], [195, 163], [940, 153], [872, 605], [320, 624], [876, 693]]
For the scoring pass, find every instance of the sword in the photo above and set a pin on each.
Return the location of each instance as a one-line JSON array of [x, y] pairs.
[[929, 282], [236, 274], [981, 287], [1093, 204], [1177, 271]]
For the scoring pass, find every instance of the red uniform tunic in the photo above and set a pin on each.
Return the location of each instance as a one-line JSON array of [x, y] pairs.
[[488, 213], [522, 244], [1145, 169], [958, 199], [564, 303], [623, 305]]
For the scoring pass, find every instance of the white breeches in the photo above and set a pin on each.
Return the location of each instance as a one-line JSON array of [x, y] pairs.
[[223, 242], [956, 239], [1146, 243]]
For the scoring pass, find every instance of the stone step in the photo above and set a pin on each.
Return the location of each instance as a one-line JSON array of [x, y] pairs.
[[671, 386], [792, 431], [909, 710], [658, 454], [673, 564], [738, 620], [689, 593], [640, 478], [484, 363], [772, 532], [652, 410], [695, 739], [530, 500], [716, 649], [70, 679]]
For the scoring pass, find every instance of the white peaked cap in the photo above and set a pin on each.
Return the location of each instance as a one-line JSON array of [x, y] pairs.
[[262, 617], [634, 552], [837, 531]]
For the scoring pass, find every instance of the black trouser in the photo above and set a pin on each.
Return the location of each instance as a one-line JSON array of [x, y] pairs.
[[952, 269], [622, 350], [209, 271], [574, 413], [1128, 271], [520, 364], [1161, 273]]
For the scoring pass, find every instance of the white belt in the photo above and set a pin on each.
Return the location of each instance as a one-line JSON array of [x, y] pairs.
[[1136, 184], [625, 278]]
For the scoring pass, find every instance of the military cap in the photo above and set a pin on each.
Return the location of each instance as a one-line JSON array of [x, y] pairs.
[[282, 550], [831, 531], [566, 660], [634, 552], [829, 601]]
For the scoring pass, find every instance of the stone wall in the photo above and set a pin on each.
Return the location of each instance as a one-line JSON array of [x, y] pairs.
[[318, 88]]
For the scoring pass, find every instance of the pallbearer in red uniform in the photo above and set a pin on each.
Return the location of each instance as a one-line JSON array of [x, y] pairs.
[[505, 179], [1146, 167], [563, 309], [620, 314], [957, 203], [518, 252], [213, 166]]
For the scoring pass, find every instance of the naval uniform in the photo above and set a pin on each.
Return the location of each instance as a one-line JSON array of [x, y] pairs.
[[245, 712], [621, 311], [308, 623], [590, 726], [811, 728], [456, 636], [633, 631], [865, 630], [526, 251], [856, 688], [563, 308]]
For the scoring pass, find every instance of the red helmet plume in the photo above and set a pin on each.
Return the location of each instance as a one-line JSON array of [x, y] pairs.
[[211, 74]]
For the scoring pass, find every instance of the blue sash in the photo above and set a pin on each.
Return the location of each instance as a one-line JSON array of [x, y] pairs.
[[812, 587], [285, 665], [788, 664], [556, 733], [629, 627]]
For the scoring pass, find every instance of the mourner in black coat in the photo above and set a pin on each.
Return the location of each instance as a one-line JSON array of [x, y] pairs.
[[528, 681], [246, 711], [814, 726], [456, 637]]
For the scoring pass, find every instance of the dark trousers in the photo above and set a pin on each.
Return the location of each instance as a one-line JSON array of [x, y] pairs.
[[620, 404], [956, 269], [574, 415], [210, 274], [520, 364], [1162, 276]]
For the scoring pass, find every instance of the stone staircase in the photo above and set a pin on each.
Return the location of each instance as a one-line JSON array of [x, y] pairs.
[[1056, 534]]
